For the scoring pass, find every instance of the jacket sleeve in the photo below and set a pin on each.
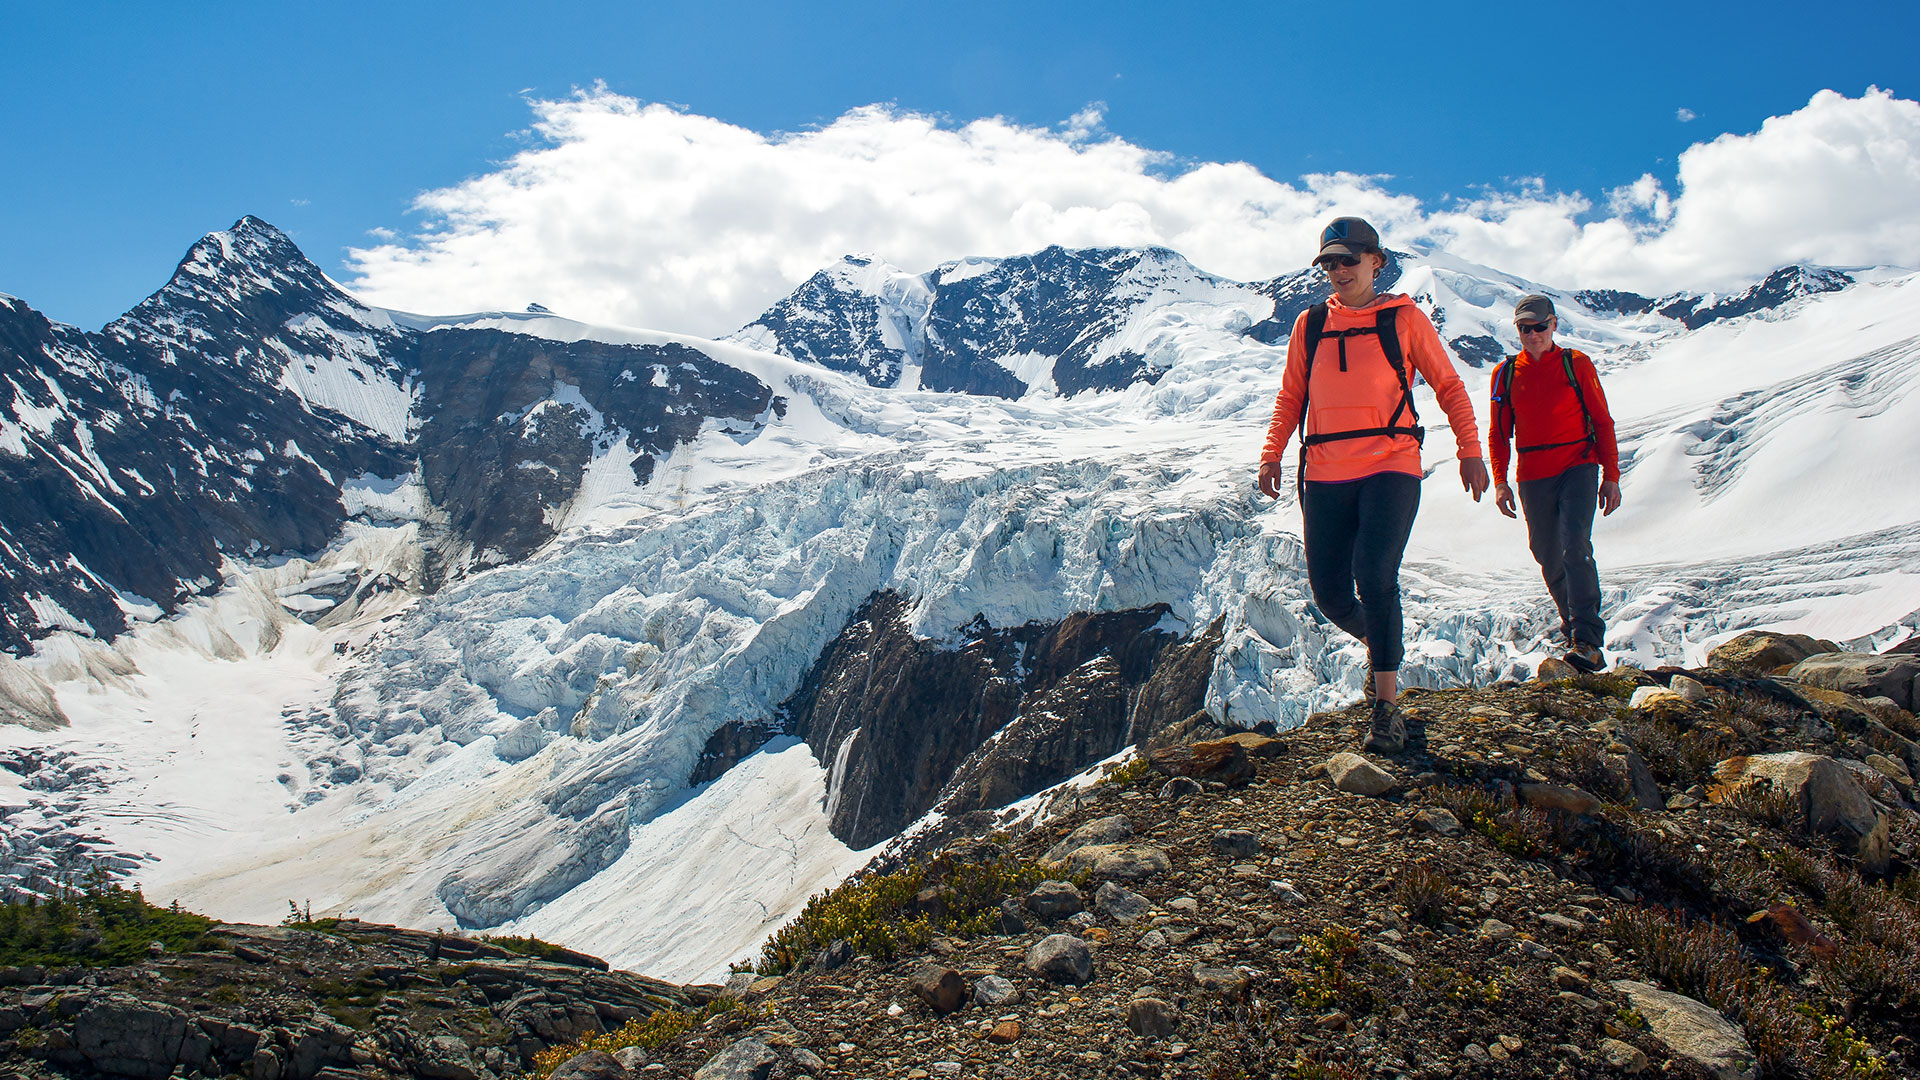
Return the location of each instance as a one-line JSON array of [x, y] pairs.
[[1293, 391], [1497, 445], [1421, 344], [1596, 400]]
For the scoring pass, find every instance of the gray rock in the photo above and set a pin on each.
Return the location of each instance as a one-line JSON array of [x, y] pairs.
[[748, 1059], [1227, 982], [129, 1037], [994, 991], [1623, 1056], [1152, 1018], [1237, 843], [1762, 651], [1690, 689], [591, 1065], [1055, 900], [1495, 930], [942, 988], [1828, 795], [1863, 675], [1107, 830], [1129, 862], [1061, 958], [1119, 903], [1180, 787], [1572, 800], [1285, 892], [1353, 773], [1438, 820], [634, 1058], [1692, 1030]]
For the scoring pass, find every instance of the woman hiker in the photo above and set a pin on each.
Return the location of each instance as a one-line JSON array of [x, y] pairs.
[[1348, 386]]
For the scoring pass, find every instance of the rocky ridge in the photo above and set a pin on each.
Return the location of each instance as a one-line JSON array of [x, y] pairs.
[[1553, 881]]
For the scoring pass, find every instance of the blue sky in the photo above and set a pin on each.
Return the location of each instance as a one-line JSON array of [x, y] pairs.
[[133, 129]]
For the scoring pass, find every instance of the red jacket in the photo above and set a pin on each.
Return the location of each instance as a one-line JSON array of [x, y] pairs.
[[1542, 410], [1365, 394]]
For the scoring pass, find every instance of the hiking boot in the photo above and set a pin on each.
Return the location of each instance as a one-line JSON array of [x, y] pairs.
[[1388, 734], [1587, 658]]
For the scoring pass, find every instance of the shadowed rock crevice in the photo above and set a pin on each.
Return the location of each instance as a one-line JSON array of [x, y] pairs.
[[905, 724]]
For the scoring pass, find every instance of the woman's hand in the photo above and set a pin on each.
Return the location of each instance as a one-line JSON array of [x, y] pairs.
[[1270, 479], [1473, 476]]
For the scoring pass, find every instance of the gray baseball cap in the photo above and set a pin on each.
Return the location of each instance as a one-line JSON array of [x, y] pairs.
[[1347, 236], [1533, 309]]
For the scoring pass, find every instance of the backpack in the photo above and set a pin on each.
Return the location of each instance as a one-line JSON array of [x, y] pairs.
[[1503, 394], [1382, 328]]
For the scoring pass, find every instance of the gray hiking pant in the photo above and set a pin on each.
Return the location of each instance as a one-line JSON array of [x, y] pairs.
[[1559, 513]]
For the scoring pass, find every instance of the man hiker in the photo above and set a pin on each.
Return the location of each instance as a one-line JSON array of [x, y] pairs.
[[1547, 401]]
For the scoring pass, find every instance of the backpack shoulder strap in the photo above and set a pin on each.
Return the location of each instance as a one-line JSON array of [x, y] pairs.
[[1386, 324], [1316, 329], [1502, 392], [1579, 395]]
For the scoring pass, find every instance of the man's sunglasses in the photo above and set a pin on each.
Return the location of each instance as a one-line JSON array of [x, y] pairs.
[[1344, 260], [1533, 327]]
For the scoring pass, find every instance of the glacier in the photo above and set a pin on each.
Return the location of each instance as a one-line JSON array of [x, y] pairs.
[[511, 752]]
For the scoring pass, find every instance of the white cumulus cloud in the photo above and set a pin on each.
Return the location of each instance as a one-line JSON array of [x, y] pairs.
[[648, 215]]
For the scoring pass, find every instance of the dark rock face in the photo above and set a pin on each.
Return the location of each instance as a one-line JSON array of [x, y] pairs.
[[905, 724], [224, 414], [961, 320], [511, 421], [1479, 350], [355, 999], [838, 320], [1784, 284]]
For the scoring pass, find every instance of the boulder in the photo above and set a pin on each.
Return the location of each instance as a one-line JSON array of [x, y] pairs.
[[1055, 900], [1653, 697], [994, 991], [1128, 862], [591, 1065], [129, 1037], [1236, 843], [1258, 745], [941, 988], [1830, 799], [1353, 773], [1690, 689], [1863, 675], [748, 1059], [1439, 820], [1225, 981], [1573, 800], [1180, 787], [1107, 830], [1152, 1018], [1221, 761], [1761, 652], [1121, 904], [1061, 958], [1623, 1056], [1554, 668], [1692, 1030]]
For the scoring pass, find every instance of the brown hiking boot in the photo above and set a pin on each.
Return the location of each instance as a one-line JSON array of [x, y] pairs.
[[1587, 658], [1388, 732]]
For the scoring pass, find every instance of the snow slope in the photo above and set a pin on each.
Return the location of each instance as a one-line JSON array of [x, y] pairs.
[[512, 752]]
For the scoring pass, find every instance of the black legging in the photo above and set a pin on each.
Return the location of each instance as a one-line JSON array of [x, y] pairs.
[[1355, 534]]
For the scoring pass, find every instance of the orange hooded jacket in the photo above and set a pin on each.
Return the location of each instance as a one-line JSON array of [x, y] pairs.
[[1365, 394]]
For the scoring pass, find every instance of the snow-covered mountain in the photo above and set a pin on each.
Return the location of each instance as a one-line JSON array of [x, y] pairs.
[[634, 640]]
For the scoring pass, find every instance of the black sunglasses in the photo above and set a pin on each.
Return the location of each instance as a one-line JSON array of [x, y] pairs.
[[1343, 260], [1533, 327]]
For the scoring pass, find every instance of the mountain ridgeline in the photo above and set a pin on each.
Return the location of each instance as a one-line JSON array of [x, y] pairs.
[[228, 414]]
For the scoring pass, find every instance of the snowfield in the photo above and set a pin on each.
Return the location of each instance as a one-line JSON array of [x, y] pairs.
[[511, 753]]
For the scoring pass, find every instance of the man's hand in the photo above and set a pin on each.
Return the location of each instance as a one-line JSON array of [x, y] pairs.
[[1270, 479], [1503, 498], [1473, 476], [1609, 497]]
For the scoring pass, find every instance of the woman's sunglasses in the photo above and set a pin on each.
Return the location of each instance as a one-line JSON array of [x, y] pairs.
[[1343, 260]]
